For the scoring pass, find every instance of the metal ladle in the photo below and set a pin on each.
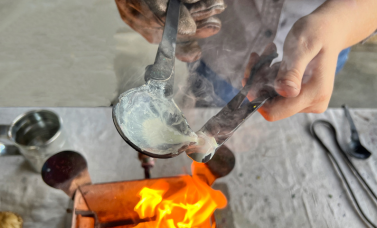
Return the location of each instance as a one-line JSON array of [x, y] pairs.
[[147, 117]]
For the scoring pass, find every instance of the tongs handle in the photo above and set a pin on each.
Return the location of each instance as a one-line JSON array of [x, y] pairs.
[[163, 67], [230, 118], [236, 102]]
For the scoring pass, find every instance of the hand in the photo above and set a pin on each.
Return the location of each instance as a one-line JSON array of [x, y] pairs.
[[263, 79], [197, 21], [306, 76]]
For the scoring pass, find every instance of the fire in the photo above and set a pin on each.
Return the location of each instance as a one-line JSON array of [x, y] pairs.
[[191, 206]]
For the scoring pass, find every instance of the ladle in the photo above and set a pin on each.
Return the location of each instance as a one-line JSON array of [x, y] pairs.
[[355, 148], [147, 117]]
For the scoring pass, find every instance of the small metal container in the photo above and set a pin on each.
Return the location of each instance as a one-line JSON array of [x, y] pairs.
[[36, 134]]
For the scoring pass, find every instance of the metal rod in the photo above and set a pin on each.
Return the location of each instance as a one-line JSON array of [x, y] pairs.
[[163, 67]]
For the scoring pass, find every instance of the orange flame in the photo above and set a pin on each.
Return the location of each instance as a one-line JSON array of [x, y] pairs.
[[191, 206]]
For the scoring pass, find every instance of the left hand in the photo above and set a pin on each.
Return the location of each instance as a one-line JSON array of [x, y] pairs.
[[197, 21], [306, 76]]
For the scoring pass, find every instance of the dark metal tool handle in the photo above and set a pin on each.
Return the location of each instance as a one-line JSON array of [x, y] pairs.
[[8, 150], [166, 49], [163, 67], [354, 133]]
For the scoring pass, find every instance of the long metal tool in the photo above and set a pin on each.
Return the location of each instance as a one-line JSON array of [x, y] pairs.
[[162, 70], [163, 67], [230, 118], [350, 165]]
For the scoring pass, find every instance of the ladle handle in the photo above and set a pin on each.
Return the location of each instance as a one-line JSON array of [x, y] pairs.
[[163, 67], [354, 133], [8, 150], [166, 49]]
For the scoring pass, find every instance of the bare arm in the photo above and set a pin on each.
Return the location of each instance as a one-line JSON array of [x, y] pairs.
[[356, 19]]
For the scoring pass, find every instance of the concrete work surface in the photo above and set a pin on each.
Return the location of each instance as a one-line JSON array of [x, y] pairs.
[[282, 177]]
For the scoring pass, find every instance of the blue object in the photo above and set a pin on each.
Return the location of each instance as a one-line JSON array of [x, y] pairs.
[[222, 88], [342, 59], [226, 91]]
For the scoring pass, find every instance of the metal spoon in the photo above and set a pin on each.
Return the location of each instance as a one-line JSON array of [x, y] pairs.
[[356, 149]]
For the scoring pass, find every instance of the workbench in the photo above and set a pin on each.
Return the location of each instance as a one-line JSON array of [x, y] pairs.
[[282, 178]]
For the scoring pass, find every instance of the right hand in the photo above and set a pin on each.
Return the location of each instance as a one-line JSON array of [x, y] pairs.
[[197, 21]]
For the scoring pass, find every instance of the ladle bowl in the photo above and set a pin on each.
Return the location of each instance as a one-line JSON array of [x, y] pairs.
[[151, 122]]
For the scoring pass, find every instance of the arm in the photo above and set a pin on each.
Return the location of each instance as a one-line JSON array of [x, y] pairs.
[[357, 18], [306, 75]]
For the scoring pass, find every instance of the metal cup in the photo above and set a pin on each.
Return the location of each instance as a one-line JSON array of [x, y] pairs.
[[37, 134]]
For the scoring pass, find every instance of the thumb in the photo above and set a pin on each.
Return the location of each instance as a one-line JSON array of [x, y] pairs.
[[296, 58]]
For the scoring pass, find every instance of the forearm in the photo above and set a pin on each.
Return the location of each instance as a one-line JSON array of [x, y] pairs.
[[354, 20]]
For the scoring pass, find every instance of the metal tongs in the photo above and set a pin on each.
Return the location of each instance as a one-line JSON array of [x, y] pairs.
[[230, 118], [354, 149]]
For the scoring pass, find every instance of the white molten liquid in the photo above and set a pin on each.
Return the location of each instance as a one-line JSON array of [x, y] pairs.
[[156, 125]]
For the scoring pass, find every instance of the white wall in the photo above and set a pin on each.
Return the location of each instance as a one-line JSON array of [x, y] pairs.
[[69, 53]]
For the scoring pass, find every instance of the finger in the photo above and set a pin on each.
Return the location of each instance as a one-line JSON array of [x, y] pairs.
[[190, 1], [188, 52], [298, 52], [158, 7], [207, 27], [206, 8], [204, 28], [186, 24]]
